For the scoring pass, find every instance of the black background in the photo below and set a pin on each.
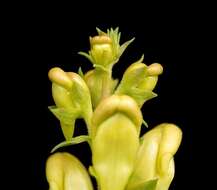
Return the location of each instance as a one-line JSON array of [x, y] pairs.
[[53, 35]]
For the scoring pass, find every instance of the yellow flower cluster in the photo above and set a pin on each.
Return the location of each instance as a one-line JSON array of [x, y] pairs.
[[121, 159]]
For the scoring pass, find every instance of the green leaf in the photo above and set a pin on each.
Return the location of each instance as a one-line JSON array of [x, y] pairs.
[[147, 185], [75, 140]]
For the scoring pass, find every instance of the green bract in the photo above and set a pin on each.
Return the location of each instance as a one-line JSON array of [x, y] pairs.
[[121, 160]]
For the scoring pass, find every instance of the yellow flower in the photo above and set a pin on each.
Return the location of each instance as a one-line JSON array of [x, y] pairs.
[[66, 172], [72, 98], [139, 80], [155, 157], [116, 123]]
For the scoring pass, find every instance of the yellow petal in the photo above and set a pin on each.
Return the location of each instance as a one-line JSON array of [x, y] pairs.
[[114, 151]]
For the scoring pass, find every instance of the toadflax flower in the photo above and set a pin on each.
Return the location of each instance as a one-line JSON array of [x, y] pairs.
[[65, 172], [72, 98], [116, 123], [139, 80], [155, 157]]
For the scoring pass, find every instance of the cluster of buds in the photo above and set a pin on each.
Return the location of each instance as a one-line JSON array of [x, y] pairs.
[[122, 158]]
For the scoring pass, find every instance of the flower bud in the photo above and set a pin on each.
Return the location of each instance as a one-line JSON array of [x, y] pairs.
[[65, 172], [115, 142], [101, 50], [105, 49], [155, 156]]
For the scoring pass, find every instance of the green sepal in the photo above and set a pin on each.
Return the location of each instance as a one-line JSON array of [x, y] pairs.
[[68, 129], [67, 119], [64, 115], [145, 123], [73, 141], [80, 72], [87, 56], [140, 95], [100, 32], [147, 185], [124, 46]]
